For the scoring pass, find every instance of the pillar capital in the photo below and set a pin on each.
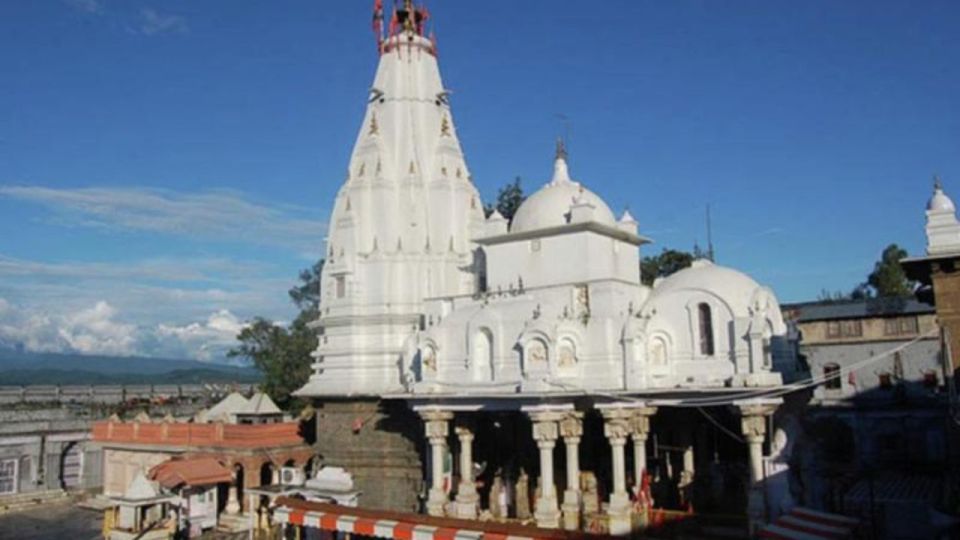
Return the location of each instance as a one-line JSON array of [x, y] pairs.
[[545, 432], [436, 429], [464, 428], [640, 422], [435, 415], [754, 428], [571, 426], [616, 429], [753, 417]]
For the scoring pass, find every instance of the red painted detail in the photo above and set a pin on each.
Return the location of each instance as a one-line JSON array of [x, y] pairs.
[[403, 531], [328, 522]]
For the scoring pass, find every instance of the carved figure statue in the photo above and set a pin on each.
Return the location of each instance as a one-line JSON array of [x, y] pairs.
[[523, 496], [591, 493], [498, 497]]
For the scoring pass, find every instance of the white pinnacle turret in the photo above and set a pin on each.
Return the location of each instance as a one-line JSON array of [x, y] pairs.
[[402, 222], [943, 229]]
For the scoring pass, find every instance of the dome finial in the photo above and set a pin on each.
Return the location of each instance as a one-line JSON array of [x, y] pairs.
[[560, 172], [937, 184]]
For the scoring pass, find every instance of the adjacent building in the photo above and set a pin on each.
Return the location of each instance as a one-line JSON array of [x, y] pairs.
[[211, 460]]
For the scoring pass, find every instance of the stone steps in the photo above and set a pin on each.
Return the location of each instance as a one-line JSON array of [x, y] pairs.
[[23, 501]]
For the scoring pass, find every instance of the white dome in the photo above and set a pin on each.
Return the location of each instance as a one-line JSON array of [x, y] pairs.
[[735, 288], [550, 206], [940, 201]]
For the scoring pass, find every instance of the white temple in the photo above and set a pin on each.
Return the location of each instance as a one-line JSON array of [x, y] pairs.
[[428, 302]]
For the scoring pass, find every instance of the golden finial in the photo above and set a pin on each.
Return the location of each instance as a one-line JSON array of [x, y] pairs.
[[408, 22], [561, 149], [937, 184]]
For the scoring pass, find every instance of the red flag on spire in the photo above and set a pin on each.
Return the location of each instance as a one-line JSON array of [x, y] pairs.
[[378, 21]]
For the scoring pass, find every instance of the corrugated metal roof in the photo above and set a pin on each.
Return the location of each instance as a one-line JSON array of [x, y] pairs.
[[876, 307]]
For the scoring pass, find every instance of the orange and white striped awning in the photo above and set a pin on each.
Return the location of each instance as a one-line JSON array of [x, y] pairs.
[[405, 526]]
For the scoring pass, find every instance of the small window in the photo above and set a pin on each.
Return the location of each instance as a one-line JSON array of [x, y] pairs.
[[341, 286], [886, 381], [908, 325], [852, 328], [930, 379], [831, 376], [900, 326], [706, 330], [8, 476], [891, 327], [535, 244], [833, 329]]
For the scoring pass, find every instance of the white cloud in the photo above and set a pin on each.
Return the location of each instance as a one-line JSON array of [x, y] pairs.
[[153, 22], [89, 331], [219, 215], [209, 339], [99, 329]]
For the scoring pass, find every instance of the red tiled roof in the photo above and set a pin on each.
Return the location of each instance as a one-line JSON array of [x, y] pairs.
[[216, 435], [201, 471]]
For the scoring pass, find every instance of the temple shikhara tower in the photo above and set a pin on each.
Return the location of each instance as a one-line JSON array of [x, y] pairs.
[[470, 364]]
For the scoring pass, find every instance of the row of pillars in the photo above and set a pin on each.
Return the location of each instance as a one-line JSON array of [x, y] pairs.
[[623, 422]]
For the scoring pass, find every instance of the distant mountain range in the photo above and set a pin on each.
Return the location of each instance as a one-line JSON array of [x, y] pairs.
[[23, 368]]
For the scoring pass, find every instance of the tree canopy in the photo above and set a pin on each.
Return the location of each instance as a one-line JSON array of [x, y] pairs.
[[887, 280], [509, 199], [282, 353], [664, 264]]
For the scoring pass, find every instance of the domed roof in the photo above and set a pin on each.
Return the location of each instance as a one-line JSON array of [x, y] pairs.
[[734, 287], [940, 201], [551, 205]]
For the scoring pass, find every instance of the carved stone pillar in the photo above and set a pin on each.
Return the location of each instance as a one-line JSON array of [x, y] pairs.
[[616, 427], [437, 428], [571, 429], [545, 432], [640, 431], [467, 499], [753, 423]]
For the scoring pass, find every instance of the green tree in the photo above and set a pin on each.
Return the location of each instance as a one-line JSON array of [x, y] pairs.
[[888, 280], [282, 353], [509, 199], [664, 264]]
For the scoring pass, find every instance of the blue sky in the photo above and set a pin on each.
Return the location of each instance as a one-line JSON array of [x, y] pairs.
[[166, 167]]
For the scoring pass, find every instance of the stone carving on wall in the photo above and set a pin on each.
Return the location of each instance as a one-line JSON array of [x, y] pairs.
[[658, 352], [581, 303], [537, 353], [567, 354], [429, 359]]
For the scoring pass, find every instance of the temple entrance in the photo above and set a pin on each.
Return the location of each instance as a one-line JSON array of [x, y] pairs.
[[503, 448]]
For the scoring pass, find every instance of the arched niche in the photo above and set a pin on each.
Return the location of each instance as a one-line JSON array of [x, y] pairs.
[[481, 355]]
